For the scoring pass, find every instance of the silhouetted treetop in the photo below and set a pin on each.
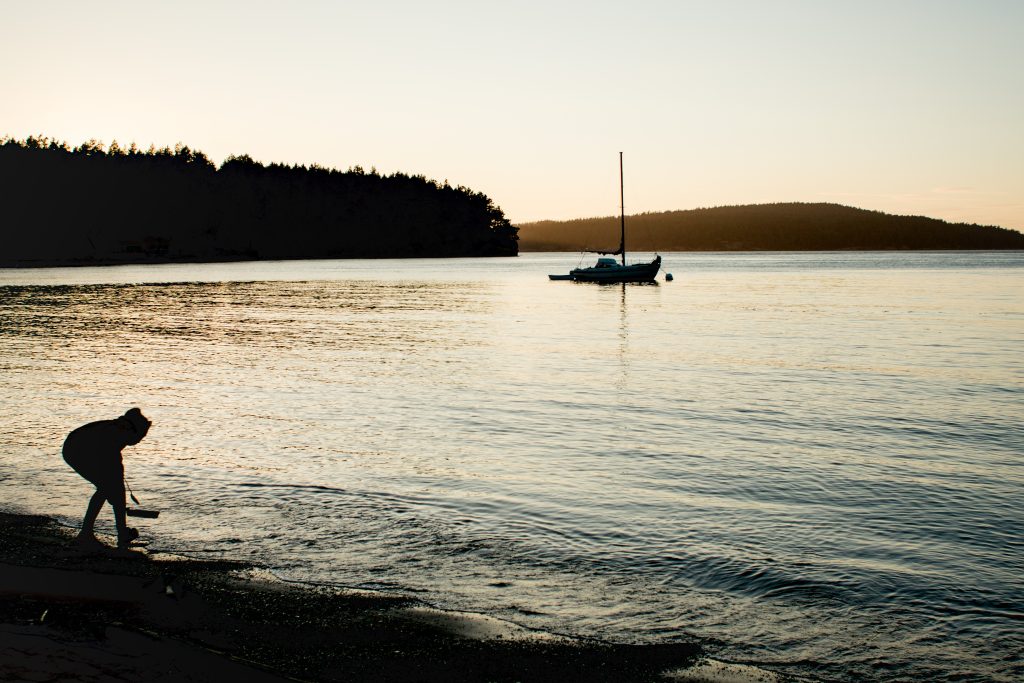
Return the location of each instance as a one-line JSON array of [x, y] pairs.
[[97, 204]]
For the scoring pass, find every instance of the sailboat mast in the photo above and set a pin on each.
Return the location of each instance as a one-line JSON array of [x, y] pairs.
[[622, 212]]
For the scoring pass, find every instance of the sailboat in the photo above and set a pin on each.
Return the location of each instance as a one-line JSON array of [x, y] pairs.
[[607, 269]]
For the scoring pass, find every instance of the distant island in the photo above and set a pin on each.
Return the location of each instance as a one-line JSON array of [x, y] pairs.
[[765, 227], [89, 204]]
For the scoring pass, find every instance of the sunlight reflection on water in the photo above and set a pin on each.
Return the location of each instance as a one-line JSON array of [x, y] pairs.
[[814, 460]]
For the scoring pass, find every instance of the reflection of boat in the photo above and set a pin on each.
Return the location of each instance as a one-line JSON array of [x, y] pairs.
[[607, 269]]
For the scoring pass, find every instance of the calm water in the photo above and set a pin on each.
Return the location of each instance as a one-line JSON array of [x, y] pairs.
[[810, 462]]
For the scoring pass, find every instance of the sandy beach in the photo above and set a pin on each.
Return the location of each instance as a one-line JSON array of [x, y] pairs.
[[104, 615]]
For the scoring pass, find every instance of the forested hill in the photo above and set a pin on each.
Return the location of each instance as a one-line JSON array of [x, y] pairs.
[[765, 227], [89, 204]]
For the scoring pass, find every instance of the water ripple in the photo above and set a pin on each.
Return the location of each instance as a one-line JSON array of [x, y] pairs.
[[811, 462]]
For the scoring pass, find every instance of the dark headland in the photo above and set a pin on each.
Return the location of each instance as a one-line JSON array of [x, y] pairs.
[[94, 205], [98, 205], [68, 614], [766, 227]]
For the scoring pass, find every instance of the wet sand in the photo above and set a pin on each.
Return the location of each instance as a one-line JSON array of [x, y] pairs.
[[104, 615]]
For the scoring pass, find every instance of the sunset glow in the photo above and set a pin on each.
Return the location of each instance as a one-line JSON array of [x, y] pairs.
[[908, 108]]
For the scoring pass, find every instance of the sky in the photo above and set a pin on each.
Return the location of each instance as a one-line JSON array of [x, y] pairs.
[[904, 106]]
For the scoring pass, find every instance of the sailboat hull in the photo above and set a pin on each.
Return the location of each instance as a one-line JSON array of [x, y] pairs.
[[634, 272]]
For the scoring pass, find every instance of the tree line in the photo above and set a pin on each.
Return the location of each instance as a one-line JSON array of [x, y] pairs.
[[766, 227], [99, 204]]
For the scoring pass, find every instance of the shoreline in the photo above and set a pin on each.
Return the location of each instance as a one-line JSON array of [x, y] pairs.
[[202, 260], [104, 614], [30, 264]]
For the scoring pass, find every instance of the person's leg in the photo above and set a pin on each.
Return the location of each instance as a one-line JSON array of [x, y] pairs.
[[91, 513], [114, 493], [80, 460]]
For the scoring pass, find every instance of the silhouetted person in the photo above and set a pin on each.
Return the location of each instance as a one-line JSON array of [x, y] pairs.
[[94, 451]]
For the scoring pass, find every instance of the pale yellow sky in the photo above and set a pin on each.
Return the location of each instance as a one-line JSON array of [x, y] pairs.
[[907, 107]]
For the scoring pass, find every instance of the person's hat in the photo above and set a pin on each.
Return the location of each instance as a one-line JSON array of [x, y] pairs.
[[137, 420]]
